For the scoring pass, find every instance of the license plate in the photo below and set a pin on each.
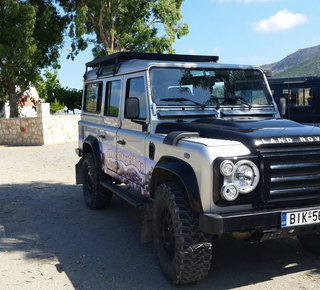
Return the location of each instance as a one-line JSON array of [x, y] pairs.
[[298, 218]]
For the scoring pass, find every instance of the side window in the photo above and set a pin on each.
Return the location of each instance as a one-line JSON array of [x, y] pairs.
[[112, 98], [298, 97], [92, 98], [136, 89]]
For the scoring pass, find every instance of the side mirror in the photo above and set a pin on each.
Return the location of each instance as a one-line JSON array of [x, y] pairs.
[[132, 108], [268, 73], [282, 106]]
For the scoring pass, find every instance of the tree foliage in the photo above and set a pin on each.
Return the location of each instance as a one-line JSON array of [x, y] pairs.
[[48, 85], [124, 25], [31, 35], [30, 40], [51, 90], [56, 106], [71, 98]]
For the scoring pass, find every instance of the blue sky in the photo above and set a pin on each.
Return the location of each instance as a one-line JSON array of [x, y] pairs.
[[238, 31]]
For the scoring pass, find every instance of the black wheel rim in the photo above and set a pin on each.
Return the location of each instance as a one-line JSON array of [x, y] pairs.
[[167, 233]]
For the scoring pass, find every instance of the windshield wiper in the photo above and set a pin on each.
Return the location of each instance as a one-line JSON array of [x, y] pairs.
[[181, 100], [242, 101]]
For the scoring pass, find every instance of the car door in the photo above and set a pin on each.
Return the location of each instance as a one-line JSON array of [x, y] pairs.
[[131, 136], [111, 124]]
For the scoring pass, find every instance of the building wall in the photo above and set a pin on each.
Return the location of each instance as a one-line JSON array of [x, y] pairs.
[[25, 105], [41, 130]]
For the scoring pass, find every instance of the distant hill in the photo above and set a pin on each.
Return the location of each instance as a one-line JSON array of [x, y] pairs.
[[303, 62]]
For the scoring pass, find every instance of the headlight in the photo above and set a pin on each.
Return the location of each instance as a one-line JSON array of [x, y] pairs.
[[226, 168], [245, 176], [238, 178], [229, 192]]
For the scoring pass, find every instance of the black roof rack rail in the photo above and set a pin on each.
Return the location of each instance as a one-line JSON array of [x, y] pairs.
[[123, 56]]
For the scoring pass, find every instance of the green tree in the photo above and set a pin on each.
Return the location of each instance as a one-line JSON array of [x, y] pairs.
[[50, 89], [56, 106], [124, 25], [70, 97], [30, 40], [48, 85]]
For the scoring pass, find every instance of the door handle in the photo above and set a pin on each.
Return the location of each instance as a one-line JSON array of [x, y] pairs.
[[122, 142], [102, 136]]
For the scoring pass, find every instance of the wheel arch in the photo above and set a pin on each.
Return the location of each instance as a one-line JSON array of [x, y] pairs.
[[173, 169], [90, 144]]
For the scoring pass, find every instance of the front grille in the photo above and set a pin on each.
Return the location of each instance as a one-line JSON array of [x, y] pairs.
[[291, 175]]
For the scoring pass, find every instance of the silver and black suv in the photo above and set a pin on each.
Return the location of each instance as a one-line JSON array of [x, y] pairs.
[[200, 148]]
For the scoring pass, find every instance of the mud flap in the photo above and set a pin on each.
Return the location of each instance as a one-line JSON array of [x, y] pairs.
[[79, 172]]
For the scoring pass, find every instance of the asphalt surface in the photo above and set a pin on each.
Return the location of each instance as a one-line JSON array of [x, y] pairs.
[[49, 239]]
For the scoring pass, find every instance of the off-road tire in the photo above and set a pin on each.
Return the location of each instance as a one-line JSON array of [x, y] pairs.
[[95, 195], [184, 252], [311, 242]]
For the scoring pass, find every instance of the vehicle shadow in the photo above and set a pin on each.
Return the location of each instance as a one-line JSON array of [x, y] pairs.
[[101, 249]]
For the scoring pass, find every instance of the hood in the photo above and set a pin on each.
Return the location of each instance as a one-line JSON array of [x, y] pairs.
[[250, 131]]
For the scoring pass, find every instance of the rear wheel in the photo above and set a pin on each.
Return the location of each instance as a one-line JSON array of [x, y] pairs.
[[183, 251], [95, 195], [311, 242]]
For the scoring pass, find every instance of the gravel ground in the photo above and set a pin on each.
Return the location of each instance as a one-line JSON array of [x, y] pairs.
[[49, 239]]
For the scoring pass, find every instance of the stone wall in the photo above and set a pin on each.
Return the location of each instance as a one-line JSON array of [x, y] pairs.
[[41, 130]]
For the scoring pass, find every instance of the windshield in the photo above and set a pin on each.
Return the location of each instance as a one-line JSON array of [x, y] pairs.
[[208, 87]]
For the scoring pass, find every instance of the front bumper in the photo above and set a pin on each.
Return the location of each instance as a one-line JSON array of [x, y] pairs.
[[265, 221]]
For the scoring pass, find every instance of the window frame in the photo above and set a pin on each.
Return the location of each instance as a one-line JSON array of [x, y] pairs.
[[98, 100], [127, 95], [108, 98]]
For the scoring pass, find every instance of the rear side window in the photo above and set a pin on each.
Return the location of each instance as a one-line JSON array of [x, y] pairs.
[[113, 98], [298, 97], [92, 98]]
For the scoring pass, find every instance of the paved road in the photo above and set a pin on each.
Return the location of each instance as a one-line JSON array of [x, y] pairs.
[[49, 239]]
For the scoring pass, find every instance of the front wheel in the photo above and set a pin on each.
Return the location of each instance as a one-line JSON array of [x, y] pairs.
[[95, 195], [184, 253], [311, 242]]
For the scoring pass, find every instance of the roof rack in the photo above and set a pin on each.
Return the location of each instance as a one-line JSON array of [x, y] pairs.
[[115, 58]]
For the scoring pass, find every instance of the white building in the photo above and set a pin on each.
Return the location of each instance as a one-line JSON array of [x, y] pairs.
[[26, 108]]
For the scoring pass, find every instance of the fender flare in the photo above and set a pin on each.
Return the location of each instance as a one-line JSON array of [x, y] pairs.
[[183, 172], [90, 144]]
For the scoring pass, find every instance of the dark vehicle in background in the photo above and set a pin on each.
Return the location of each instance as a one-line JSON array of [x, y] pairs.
[[298, 98]]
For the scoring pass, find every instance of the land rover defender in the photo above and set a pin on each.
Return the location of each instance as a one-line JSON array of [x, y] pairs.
[[200, 149]]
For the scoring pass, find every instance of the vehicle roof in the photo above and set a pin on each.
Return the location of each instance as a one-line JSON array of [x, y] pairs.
[[287, 80], [132, 62], [125, 56]]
